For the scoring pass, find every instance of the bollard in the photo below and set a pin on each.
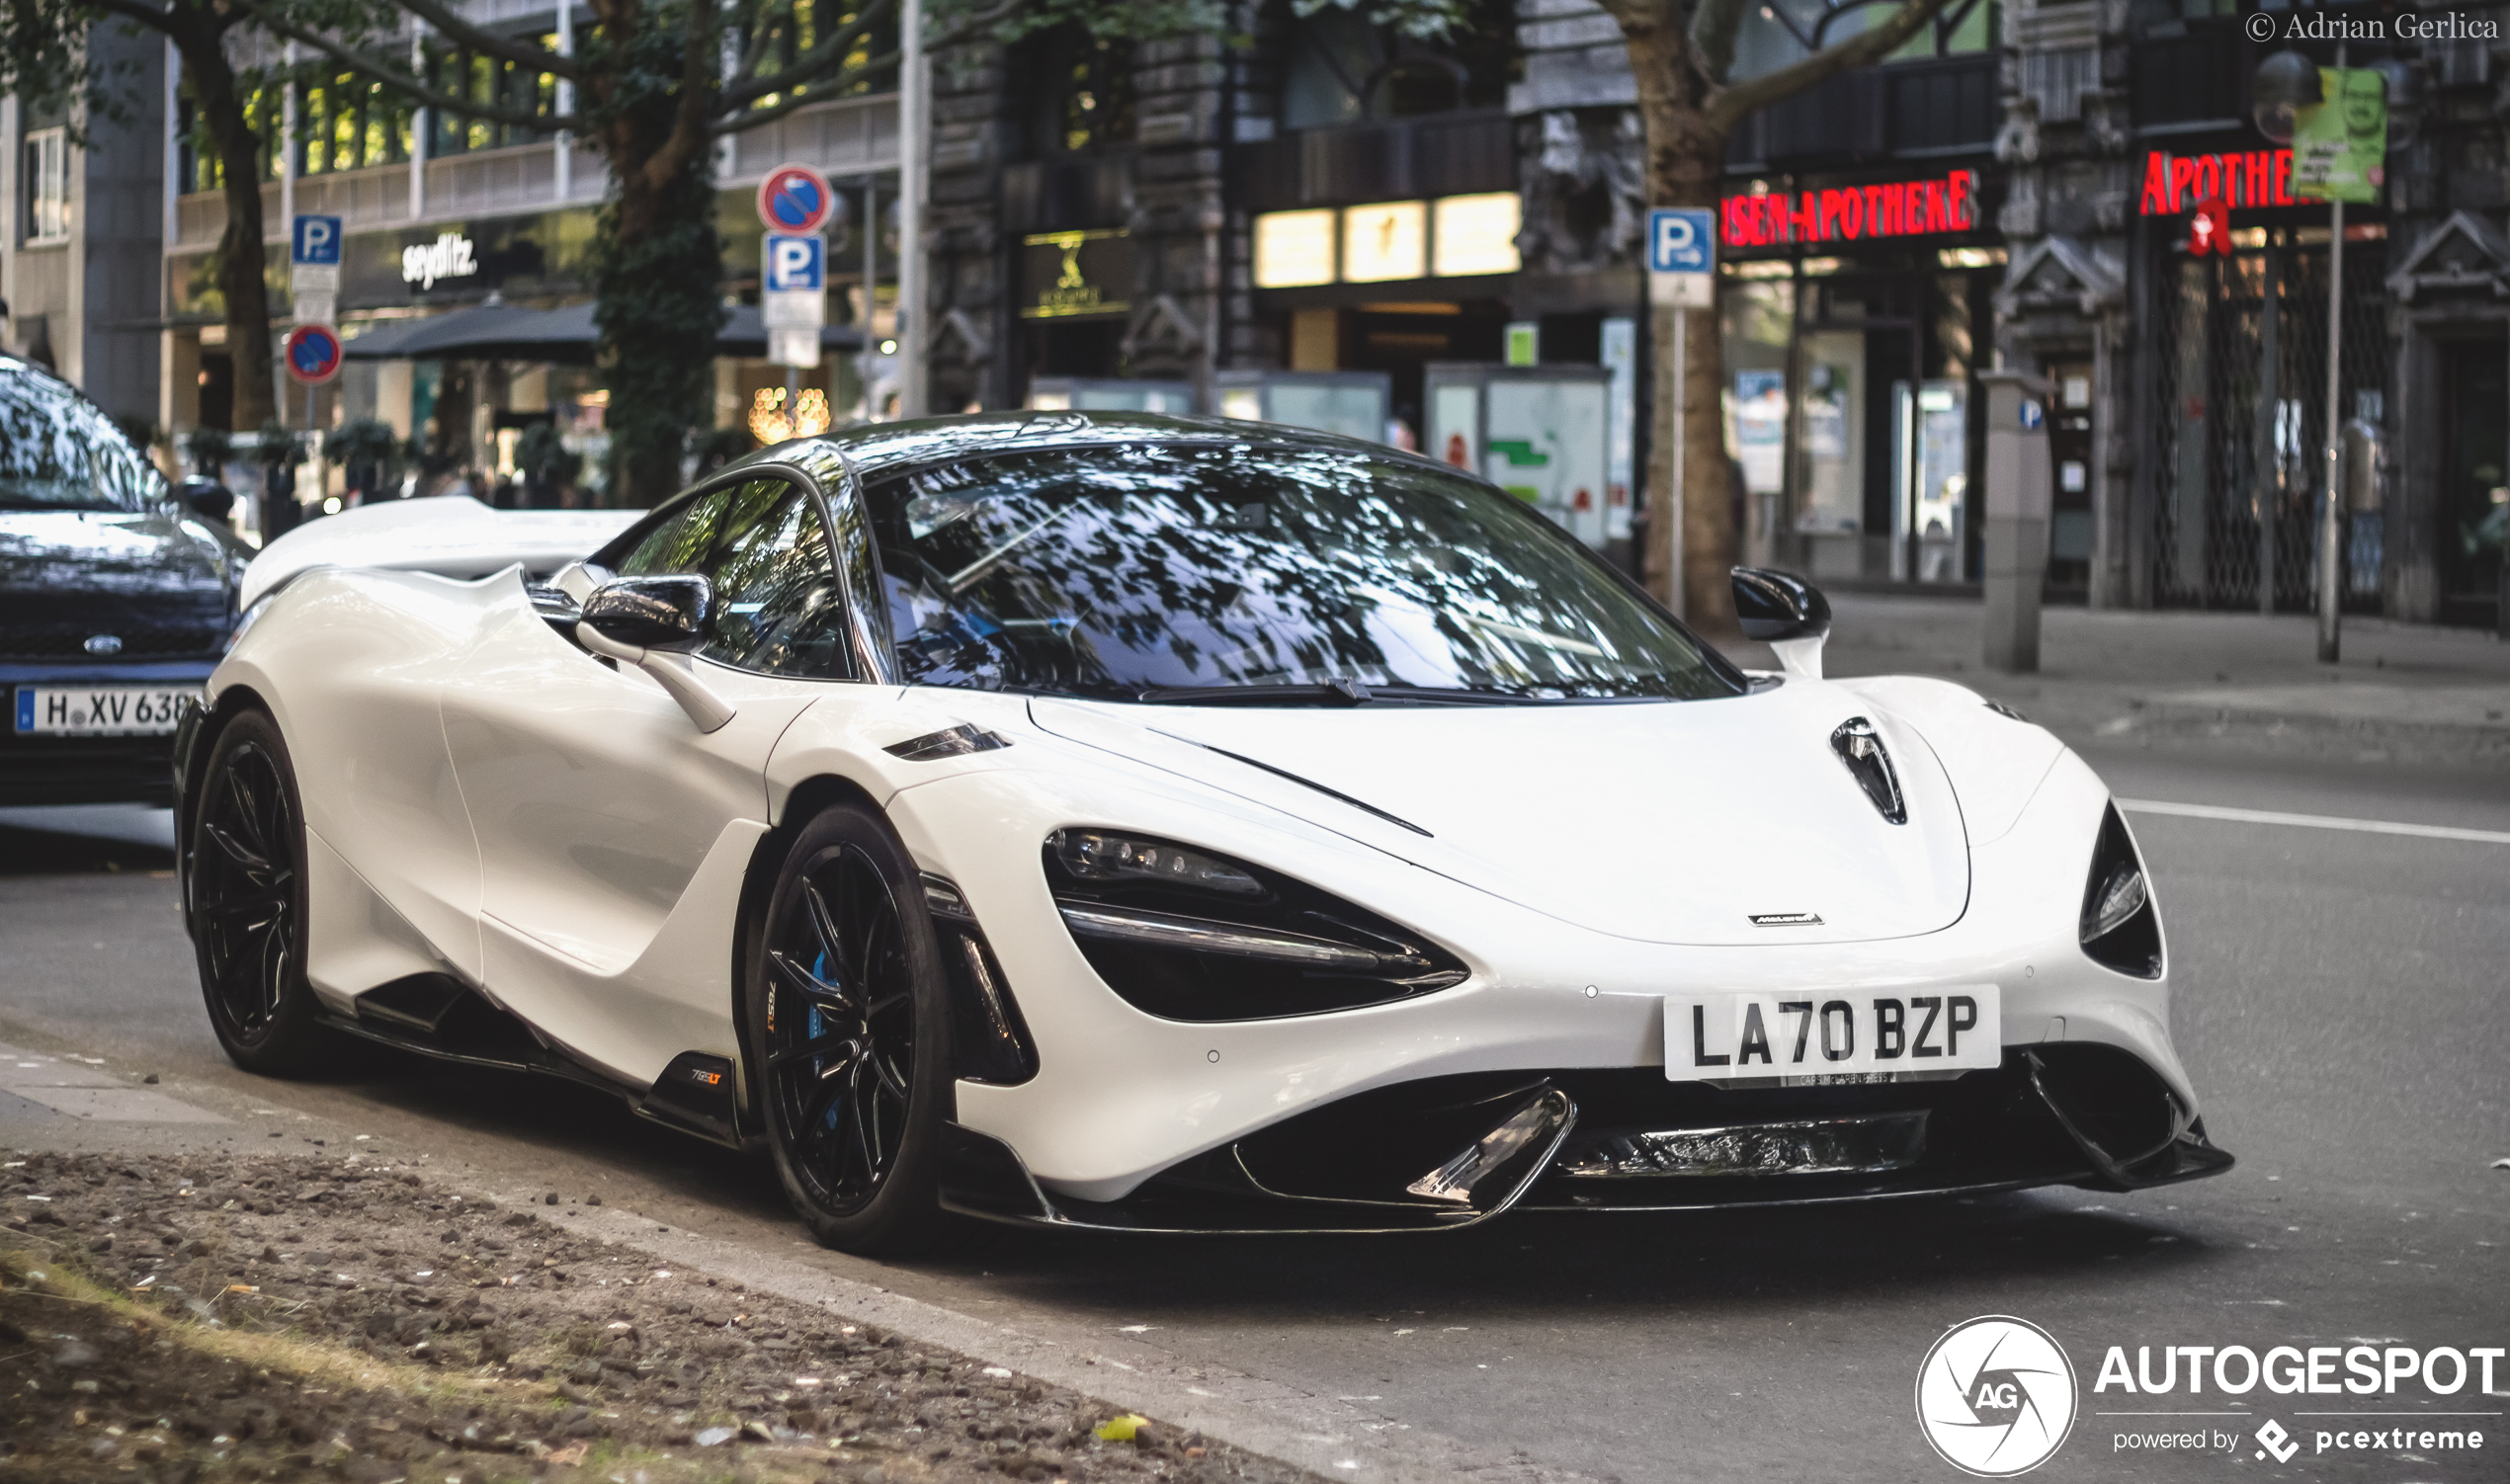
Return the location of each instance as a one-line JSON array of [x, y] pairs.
[[2017, 513]]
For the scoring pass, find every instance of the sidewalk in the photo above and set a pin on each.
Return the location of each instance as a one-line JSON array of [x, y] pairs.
[[2404, 692]]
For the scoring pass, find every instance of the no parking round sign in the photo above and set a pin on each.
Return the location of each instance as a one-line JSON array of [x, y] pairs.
[[795, 198], [313, 354]]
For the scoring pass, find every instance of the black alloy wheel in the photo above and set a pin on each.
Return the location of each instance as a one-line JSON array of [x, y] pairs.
[[850, 1040], [248, 900]]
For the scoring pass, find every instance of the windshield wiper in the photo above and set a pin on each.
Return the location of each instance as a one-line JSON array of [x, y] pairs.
[[1346, 693]]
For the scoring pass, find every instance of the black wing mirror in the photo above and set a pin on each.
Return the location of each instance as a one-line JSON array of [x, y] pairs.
[[1786, 613], [652, 624], [207, 499], [668, 613]]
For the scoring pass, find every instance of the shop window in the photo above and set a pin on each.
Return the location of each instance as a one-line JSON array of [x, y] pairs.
[[46, 187]]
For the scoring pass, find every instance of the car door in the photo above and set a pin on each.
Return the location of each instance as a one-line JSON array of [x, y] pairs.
[[613, 833]]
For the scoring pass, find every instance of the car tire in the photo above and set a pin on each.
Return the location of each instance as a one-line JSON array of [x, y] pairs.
[[849, 1037], [248, 904]]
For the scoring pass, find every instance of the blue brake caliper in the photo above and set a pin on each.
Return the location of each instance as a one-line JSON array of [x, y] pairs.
[[812, 1030]]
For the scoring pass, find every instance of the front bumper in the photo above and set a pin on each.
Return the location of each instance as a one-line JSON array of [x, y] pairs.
[[2084, 1115], [46, 770]]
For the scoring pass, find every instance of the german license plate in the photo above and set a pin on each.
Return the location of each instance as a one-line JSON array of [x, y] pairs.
[[1717, 1037], [98, 710]]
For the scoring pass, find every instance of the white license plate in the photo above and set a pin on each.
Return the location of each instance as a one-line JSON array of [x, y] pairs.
[[98, 710], [1718, 1038]]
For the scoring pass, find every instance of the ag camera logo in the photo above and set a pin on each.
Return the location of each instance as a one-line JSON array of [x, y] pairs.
[[1996, 1397]]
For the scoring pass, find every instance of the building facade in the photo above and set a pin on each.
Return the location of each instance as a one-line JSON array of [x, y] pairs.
[[110, 267], [79, 263], [2015, 185], [1318, 196]]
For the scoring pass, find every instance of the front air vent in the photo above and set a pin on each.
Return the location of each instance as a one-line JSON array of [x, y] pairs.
[[1860, 747], [1188, 935], [987, 1031]]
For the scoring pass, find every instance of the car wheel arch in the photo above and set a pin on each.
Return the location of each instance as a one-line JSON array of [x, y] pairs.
[[231, 702], [802, 802]]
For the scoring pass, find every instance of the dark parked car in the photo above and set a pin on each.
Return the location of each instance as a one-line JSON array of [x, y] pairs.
[[115, 601]]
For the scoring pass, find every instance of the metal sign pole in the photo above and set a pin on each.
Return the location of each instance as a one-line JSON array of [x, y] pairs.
[[913, 93], [1681, 277], [2331, 507], [1681, 420]]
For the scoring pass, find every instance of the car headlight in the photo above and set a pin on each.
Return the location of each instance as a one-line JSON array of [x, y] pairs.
[[1187, 935], [1101, 857], [2119, 928]]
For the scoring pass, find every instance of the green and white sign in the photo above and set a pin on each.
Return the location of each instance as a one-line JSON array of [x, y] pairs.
[[2339, 146]]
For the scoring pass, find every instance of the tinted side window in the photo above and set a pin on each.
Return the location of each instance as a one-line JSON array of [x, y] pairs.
[[779, 609]]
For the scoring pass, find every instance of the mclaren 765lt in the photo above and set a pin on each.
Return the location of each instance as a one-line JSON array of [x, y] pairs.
[[1169, 825]]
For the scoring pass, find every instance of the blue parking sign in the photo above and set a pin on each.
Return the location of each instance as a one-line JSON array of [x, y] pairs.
[[796, 262], [316, 240], [1680, 240]]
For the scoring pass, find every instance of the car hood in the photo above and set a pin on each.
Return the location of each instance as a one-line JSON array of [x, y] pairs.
[[1678, 822], [97, 572]]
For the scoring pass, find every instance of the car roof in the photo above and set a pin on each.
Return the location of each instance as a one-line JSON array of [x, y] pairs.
[[881, 448]]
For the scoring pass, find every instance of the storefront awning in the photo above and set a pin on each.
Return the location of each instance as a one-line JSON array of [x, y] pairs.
[[507, 332]]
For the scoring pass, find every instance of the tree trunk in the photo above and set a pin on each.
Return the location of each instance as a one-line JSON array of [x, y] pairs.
[[240, 258], [657, 264], [1686, 157]]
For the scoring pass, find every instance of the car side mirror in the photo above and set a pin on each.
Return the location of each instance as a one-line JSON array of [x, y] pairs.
[[652, 623], [669, 614], [206, 499], [1786, 613]]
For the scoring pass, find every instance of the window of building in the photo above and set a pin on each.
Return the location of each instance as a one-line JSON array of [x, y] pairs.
[[1776, 33], [46, 187], [492, 80], [196, 163], [798, 29], [1338, 66], [349, 122], [1094, 106]]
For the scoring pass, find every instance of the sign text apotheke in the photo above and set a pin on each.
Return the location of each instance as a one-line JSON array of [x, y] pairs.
[[2176, 184], [451, 256], [1850, 213]]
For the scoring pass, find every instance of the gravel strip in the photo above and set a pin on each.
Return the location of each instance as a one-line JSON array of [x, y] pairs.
[[173, 1319]]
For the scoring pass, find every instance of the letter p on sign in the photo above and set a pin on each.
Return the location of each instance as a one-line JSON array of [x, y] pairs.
[[796, 262], [1681, 256]]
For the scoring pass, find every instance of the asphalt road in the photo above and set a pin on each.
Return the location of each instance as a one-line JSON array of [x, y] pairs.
[[2339, 1004]]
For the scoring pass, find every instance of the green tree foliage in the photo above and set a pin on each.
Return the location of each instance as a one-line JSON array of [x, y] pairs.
[[1682, 56], [48, 62]]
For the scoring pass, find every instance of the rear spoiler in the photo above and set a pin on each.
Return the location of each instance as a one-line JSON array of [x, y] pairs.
[[450, 536]]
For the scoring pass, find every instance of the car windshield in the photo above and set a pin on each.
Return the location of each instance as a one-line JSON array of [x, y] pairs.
[[58, 450], [1212, 572]]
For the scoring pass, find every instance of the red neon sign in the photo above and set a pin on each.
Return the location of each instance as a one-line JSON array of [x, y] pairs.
[[1852, 213], [2255, 178]]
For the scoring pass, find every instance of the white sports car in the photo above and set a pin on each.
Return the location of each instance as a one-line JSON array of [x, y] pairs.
[[1142, 824]]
